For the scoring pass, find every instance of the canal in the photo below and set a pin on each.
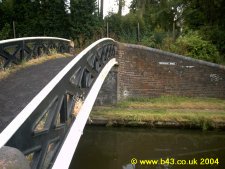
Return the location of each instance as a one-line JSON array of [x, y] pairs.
[[114, 148]]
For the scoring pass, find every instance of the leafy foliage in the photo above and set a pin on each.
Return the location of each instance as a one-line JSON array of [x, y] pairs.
[[84, 20], [194, 46], [5, 32], [78, 20], [164, 24], [193, 28]]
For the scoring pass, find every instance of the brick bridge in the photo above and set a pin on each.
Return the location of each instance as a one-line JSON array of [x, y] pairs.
[[148, 72]]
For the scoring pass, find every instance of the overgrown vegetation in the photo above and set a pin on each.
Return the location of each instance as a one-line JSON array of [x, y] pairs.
[[187, 27], [77, 21], [202, 112], [193, 45]]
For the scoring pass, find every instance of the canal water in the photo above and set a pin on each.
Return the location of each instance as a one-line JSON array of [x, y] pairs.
[[118, 148]]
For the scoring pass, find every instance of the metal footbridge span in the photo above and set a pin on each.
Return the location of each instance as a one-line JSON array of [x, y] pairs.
[[48, 129]]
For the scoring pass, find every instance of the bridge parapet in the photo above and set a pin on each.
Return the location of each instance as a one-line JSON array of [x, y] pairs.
[[19, 49], [148, 72], [41, 128]]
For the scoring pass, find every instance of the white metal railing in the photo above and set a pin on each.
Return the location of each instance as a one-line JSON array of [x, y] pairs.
[[70, 144], [95, 63], [32, 38]]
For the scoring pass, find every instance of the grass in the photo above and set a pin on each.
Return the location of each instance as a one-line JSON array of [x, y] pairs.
[[174, 102], [203, 112], [5, 73]]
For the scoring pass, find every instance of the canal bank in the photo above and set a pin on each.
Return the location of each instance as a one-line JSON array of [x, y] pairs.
[[163, 112]]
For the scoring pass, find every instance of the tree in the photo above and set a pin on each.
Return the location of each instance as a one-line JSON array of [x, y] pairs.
[[25, 15], [84, 20], [101, 9], [159, 13], [121, 4], [6, 13], [54, 18], [208, 18], [36, 17]]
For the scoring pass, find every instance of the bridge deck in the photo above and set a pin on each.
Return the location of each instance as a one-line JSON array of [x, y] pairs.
[[17, 90]]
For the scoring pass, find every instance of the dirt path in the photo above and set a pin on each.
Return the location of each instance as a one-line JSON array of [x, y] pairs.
[[17, 90]]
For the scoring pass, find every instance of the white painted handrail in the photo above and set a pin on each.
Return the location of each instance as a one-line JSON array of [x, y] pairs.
[[8, 132], [32, 38], [69, 146]]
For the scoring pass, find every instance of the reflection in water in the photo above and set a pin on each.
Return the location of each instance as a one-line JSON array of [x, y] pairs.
[[129, 166], [113, 148]]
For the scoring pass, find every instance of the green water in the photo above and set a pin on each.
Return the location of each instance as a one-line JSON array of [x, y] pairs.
[[113, 148]]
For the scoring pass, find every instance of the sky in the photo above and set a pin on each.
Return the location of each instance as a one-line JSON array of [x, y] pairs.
[[112, 6]]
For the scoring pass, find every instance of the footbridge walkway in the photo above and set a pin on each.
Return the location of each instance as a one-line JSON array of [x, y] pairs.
[[47, 129]]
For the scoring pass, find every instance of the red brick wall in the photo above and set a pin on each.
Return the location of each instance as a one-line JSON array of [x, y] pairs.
[[147, 72]]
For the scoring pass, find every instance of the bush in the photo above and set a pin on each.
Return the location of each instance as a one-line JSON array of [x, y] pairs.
[[154, 38], [216, 35], [5, 32], [194, 46], [124, 28]]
